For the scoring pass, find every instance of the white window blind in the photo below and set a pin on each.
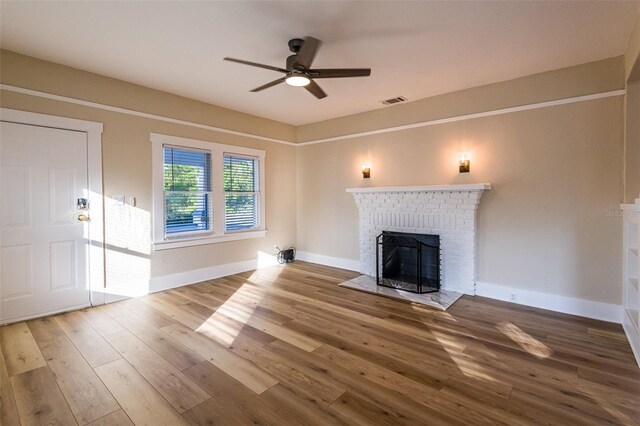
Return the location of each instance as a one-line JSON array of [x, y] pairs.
[[187, 190], [241, 192]]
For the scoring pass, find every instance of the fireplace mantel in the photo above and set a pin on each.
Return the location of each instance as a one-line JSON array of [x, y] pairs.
[[445, 210], [425, 188]]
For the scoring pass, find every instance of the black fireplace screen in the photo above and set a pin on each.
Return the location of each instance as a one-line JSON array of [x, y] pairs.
[[409, 262]]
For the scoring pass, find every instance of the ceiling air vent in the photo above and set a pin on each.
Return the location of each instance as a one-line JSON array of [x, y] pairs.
[[394, 100]]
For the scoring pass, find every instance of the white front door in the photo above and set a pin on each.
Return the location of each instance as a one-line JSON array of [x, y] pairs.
[[43, 243]]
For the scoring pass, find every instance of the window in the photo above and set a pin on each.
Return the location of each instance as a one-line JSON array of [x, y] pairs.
[[241, 192], [205, 192], [187, 190]]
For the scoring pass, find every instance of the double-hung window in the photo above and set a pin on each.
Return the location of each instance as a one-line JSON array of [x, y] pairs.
[[187, 190], [241, 192], [204, 192]]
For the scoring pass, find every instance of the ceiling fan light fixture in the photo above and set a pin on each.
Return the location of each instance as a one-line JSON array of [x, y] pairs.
[[297, 80], [298, 71]]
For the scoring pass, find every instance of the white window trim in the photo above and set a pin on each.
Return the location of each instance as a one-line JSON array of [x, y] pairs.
[[217, 234]]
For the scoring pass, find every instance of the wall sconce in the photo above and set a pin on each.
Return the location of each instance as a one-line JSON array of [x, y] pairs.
[[366, 171], [465, 164]]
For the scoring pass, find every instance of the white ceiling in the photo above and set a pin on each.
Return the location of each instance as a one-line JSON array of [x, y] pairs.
[[415, 49]]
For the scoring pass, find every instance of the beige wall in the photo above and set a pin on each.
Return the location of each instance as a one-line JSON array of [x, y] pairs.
[[632, 117], [24, 71], [632, 142], [555, 171], [595, 77], [127, 162], [632, 54]]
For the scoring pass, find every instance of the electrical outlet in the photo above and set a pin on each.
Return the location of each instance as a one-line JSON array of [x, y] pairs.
[[513, 297]]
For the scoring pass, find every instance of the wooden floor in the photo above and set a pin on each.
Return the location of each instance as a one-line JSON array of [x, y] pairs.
[[287, 346]]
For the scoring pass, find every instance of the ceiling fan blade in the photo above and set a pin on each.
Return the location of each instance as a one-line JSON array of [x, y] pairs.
[[307, 53], [255, 64], [340, 72], [266, 86], [315, 90]]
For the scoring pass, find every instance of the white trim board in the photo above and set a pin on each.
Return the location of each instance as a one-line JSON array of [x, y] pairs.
[[210, 239], [67, 99], [553, 302], [537, 105], [180, 279], [424, 188], [501, 111], [632, 337]]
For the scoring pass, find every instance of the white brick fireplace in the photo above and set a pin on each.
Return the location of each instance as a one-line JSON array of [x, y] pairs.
[[446, 210]]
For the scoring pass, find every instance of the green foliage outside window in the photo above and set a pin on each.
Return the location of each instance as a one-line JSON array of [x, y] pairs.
[[240, 185], [181, 206], [239, 175], [187, 185]]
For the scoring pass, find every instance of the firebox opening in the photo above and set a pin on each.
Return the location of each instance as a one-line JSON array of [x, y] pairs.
[[408, 262]]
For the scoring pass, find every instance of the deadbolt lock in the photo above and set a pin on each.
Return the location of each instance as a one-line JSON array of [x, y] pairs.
[[82, 204]]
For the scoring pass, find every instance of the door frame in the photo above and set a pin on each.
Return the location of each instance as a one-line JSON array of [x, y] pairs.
[[93, 130]]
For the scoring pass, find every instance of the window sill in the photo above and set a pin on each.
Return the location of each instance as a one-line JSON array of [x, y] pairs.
[[198, 241]]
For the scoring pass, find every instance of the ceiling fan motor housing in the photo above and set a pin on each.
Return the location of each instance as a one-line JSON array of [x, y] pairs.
[[291, 61], [295, 44]]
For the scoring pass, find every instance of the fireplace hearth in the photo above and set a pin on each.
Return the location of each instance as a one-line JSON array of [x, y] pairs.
[[409, 262]]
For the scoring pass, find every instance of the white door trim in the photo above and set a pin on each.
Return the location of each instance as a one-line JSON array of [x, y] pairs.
[[94, 169]]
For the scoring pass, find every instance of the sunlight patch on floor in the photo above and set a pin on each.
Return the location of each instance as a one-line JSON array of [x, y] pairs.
[[226, 323], [266, 275], [465, 364], [525, 340], [433, 314], [429, 316]]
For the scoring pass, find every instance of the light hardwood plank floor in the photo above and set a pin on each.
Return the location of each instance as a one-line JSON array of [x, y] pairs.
[[286, 346]]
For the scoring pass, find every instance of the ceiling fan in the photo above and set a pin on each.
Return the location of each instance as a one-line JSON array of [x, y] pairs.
[[298, 71]]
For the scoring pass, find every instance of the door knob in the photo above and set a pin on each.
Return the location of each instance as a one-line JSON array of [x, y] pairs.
[[83, 218]]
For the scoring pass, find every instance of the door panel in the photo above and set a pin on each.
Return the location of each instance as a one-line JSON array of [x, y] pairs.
[[43, 246], [15, 210], [61, 196], [16, 272], [63, 265]]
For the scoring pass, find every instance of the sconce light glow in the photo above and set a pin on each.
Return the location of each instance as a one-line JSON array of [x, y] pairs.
[[366, 171], [465, 164]]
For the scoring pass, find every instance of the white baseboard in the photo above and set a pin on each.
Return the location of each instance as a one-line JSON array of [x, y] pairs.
[[336, 262], [180, 279], [632, 337], [167, 282], [568, 305], [586, 308]]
